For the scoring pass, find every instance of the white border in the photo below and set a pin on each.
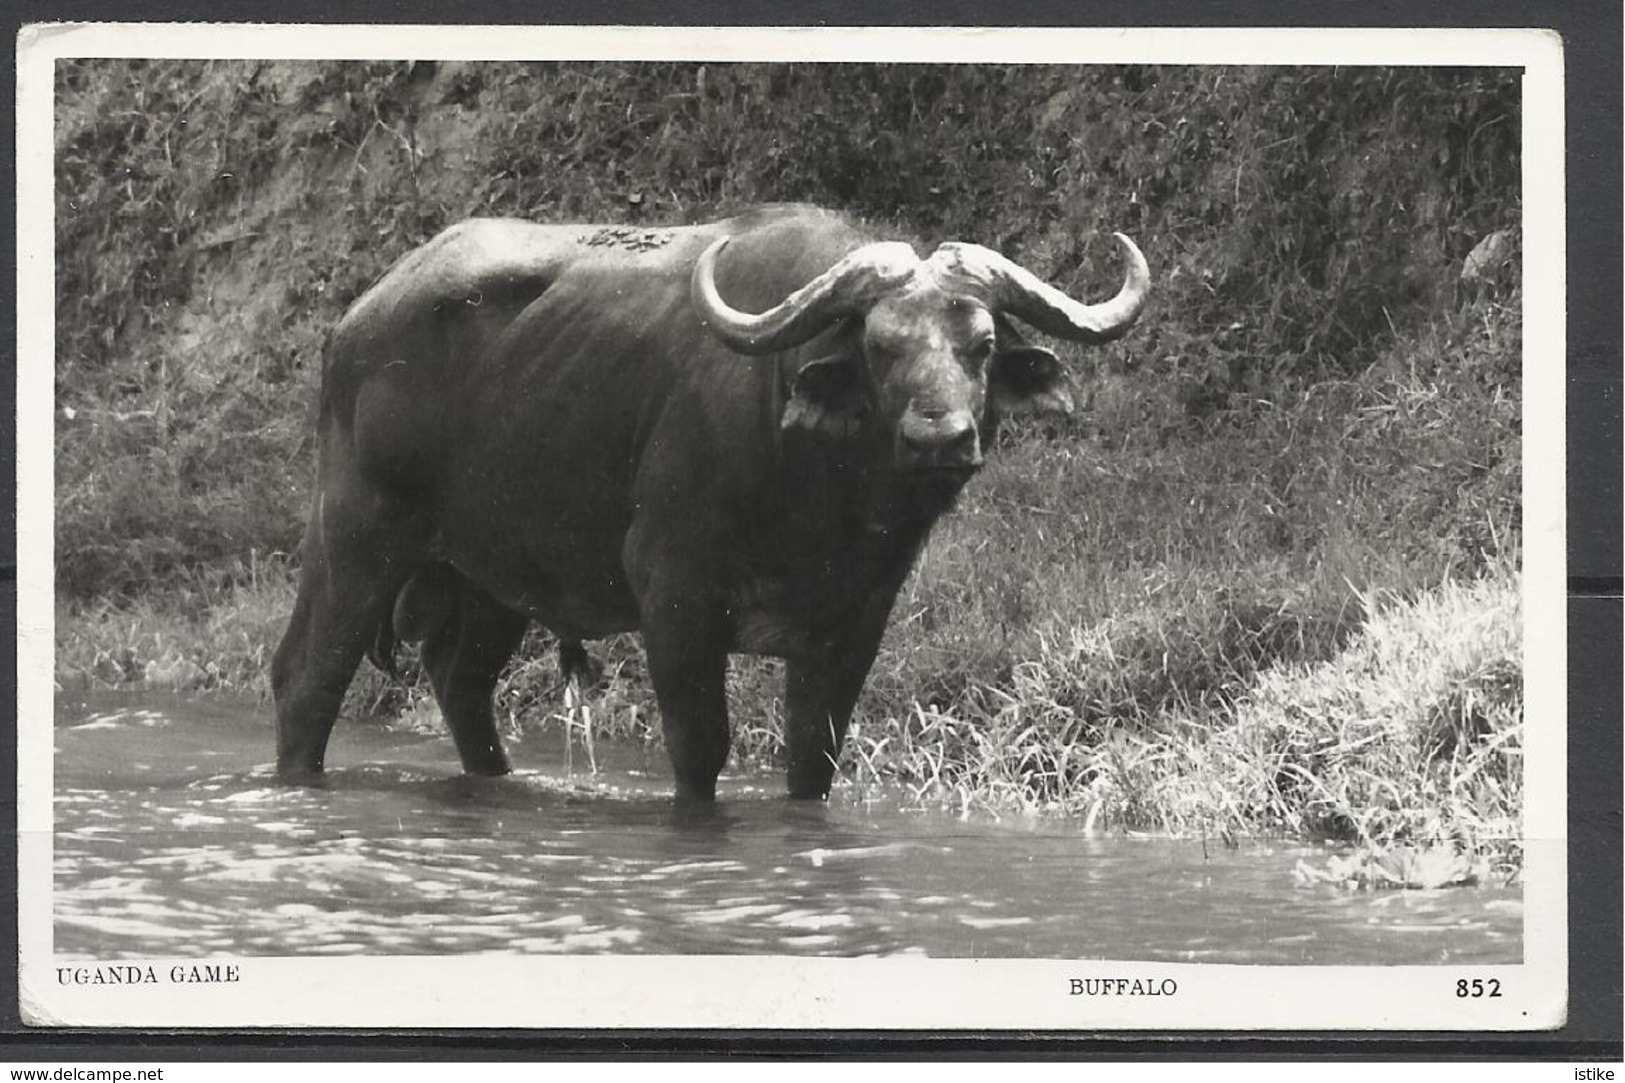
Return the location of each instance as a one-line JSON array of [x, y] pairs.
[[769, 992]]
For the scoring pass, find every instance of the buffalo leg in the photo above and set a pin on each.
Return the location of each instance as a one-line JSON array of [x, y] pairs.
[[819, 694], [688, 666], [818, 701], [464, 657], [351, 569]]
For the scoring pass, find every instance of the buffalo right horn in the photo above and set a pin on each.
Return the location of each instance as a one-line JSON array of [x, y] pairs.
[[1014, 289], [852, 285]]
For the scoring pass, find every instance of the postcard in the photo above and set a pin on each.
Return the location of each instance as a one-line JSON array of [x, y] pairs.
[[939, 529]]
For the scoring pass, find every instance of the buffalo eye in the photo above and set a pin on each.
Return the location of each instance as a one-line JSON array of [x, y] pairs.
[[882, 353], [980, 351]]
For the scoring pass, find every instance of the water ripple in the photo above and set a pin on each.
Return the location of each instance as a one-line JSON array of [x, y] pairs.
[[173, 838]]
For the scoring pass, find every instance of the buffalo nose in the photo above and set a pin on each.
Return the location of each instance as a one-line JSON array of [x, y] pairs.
[[939, 438]]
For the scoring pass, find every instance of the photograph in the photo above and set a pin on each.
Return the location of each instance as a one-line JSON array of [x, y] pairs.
[[605, 527]]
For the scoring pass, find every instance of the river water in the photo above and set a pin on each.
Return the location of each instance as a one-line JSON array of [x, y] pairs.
[[173, 839]]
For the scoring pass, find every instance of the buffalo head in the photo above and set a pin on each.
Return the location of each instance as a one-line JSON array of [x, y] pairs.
[[930, 352]]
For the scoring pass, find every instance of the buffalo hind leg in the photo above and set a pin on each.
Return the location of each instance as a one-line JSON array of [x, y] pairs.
[[465, 656], [350, 571]]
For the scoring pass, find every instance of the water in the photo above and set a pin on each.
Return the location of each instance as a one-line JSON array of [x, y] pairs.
[[173, 839]]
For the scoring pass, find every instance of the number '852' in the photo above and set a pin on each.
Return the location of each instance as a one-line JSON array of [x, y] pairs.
[[1478, 987]]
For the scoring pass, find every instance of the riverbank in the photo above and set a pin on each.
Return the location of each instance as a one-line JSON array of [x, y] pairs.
[[1406, 742]]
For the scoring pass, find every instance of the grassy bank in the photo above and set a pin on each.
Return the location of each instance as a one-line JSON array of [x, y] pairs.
[[1265, 582]]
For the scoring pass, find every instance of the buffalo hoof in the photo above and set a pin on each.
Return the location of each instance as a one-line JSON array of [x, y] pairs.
[[302, 776]]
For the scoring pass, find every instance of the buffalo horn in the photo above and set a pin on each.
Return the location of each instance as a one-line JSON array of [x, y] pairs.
[[1016, 290], [852, 285]]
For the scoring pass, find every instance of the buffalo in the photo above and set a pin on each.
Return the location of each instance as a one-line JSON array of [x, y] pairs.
[[731, 438]]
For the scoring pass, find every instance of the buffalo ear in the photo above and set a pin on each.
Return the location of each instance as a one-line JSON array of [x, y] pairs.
[[827, 396], [1030, 379]]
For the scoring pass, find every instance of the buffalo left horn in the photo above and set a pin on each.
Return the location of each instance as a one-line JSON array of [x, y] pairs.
[[852, 285], [1016, 290]]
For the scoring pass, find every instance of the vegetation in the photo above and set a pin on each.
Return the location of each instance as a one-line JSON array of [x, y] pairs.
[[1265, 581]]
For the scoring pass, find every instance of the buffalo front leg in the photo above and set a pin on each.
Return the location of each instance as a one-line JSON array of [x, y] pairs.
[[347, 582], [688, 665], [464, 657], [819, 694]]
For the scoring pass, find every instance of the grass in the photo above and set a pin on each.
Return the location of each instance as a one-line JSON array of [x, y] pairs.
[[1408, 736]]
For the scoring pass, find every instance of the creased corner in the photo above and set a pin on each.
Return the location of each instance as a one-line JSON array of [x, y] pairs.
[[32, 1007]]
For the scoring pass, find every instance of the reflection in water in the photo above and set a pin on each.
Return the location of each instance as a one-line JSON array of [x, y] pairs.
[[169, 843]]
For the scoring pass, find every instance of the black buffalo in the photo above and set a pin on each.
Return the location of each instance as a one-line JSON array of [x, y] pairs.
[[585, 426]]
